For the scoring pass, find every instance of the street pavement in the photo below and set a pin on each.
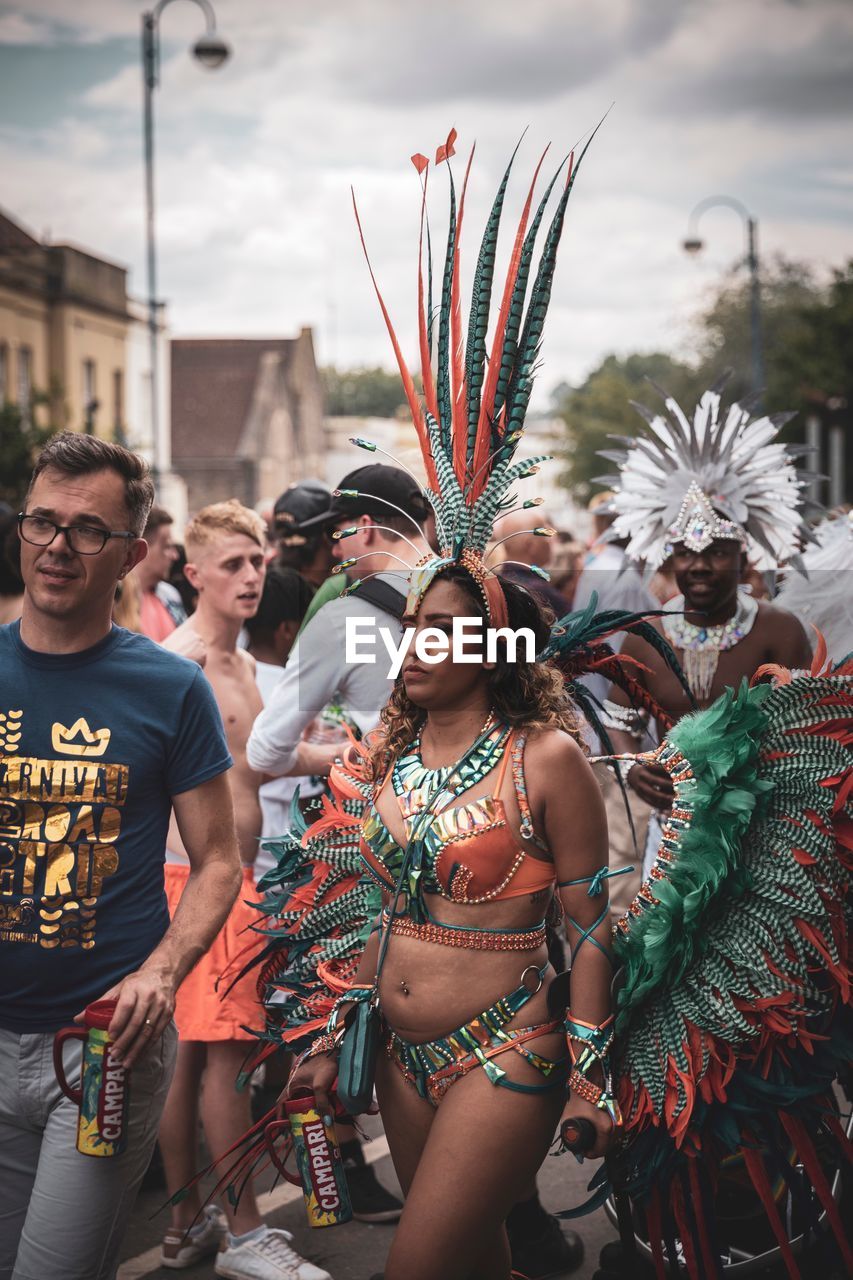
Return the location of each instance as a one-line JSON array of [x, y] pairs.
[[355, 1251]]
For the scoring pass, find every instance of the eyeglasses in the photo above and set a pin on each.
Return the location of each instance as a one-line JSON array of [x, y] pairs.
[[85, 539]]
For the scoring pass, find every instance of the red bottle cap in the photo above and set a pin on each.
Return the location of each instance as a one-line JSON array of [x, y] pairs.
[[100, 1014]]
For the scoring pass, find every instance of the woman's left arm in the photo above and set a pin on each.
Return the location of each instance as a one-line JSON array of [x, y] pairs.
[[575, 826]]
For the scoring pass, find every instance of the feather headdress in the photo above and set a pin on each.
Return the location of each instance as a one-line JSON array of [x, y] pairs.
[[723, 475], [470, 419], [823, 594]]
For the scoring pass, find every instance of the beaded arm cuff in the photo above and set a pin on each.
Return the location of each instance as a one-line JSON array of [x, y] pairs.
[[325, 1043], [631, 720], [589, 1047], [353, 995]]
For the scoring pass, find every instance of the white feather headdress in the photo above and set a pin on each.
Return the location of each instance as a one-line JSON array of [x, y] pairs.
[[723, 475]]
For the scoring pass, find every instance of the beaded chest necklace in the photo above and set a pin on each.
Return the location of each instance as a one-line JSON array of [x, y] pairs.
[[417, 786], [411, 774], [702, 646]]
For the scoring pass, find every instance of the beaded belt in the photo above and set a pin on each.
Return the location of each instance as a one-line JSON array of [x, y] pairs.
[[474, 939]]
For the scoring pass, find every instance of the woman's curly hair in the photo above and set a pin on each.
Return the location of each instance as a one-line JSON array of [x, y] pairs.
[[531, 695]]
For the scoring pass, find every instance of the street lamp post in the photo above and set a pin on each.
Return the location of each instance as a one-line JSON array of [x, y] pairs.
[[211, 51], [693, 244]]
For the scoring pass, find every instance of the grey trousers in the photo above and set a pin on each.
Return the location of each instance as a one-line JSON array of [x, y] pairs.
[[63, 1214]]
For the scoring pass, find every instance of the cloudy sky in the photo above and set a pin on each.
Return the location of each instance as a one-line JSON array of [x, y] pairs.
[[751, 98]]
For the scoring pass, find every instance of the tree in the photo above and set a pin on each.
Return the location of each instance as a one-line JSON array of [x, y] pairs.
[[808, 348], [362, 393], [601, 407], [20, 441], [807, 332], [724, 334]]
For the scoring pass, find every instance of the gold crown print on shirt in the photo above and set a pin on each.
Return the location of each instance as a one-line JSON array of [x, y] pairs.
[[60, 820], [91, 742], [10, 731]]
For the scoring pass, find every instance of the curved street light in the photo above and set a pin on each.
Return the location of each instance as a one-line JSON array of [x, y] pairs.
[[692, 244], [211, 51]]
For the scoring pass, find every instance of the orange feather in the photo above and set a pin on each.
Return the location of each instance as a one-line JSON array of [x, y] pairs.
[[408, 384], [459, 409], [426, 362]]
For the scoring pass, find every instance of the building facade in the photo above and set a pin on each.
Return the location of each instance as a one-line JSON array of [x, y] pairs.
[[63, 333], [247, 417]]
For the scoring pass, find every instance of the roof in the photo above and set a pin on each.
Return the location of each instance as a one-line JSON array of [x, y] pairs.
[[213, 382], [13, 238]]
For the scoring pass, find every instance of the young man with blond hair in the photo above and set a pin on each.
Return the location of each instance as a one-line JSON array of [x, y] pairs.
[[225, 546]]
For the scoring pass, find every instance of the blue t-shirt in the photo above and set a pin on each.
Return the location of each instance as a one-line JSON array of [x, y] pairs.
[[93, 745]]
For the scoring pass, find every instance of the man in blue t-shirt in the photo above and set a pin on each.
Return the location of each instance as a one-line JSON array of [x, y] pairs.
[[102, 734]]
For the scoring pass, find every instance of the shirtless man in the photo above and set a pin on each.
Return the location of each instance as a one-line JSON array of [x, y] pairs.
[[226, 566], [708, 581]]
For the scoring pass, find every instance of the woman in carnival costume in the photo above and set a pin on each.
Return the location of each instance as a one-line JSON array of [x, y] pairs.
[[481, 809], [475, 814]]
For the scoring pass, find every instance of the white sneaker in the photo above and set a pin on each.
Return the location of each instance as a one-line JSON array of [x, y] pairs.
[[180, 1250], [267, 1257]]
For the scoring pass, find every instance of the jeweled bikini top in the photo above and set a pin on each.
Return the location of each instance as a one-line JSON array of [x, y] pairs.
[[468, 852]]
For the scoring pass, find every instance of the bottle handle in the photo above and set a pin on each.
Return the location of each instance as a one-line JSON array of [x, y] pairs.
[[60, 1040], [274, 1130]]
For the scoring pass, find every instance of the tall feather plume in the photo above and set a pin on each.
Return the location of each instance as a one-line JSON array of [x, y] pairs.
[[485, 428], [515, 313], [527, 350], [466, 445], [478, 321], [521, 383]]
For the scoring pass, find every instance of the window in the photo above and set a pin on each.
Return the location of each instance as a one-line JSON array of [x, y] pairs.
[[25, 381], [90, 401], [88, 382], [118, 404], [4, 374]]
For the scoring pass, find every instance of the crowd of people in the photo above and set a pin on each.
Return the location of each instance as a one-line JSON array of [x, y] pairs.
[[266, 625], [213, 819]]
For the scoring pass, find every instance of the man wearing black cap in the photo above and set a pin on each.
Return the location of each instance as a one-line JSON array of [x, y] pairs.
[[303, 544], [385, 510]]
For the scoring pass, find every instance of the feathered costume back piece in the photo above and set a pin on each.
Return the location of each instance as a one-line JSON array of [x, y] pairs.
[[721, 475], [734, 1003], [470, 419]]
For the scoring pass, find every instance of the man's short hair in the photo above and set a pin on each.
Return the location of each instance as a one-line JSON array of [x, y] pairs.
[[157, 518], [74, 453], [222, 518]]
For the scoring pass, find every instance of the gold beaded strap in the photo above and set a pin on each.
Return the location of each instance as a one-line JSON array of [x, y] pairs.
[[474, 939]]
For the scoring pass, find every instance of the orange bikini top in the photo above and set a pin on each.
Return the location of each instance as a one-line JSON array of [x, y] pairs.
[[470, 854]]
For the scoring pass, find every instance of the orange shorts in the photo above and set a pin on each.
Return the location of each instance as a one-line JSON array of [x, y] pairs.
[[202, 1012]]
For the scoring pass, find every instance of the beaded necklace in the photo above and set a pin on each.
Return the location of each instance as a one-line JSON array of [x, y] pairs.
[[702, 646], [411, 774]]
